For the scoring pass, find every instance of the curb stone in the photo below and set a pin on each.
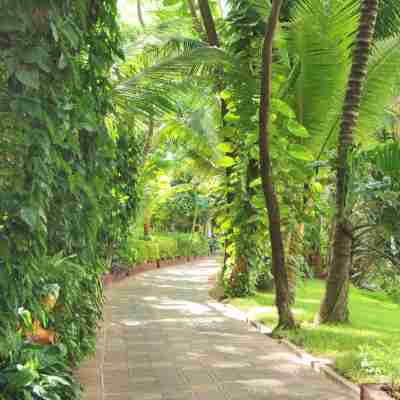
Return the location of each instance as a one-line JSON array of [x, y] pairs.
[[319, 365]]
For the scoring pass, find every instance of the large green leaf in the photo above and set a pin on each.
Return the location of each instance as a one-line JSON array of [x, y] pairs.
[[29, 76], [30, 216], [225, 162], [300, 152]]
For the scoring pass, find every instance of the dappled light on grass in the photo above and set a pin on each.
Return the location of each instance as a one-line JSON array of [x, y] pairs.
[[374, 327]]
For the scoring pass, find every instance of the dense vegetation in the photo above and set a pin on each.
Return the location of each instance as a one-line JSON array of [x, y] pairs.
[[273, 126]]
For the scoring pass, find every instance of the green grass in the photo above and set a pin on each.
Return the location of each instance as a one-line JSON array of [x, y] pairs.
[[365, 350]]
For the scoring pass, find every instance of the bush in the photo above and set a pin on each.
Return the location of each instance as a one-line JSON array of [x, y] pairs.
[[76, 312], [138, 251], [38, 372], [163, 247], [168, 247], [264, 280]]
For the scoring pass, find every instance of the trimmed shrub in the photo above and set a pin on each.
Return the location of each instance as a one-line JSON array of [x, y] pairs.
[[163, 247], [168, 247]]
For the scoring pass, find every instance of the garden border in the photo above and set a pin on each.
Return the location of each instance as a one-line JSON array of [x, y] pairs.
[[319, 365], [110, 278]]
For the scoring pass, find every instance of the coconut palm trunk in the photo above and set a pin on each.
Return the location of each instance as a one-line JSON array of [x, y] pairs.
[[286, 319], [195, 20], [334, 307]]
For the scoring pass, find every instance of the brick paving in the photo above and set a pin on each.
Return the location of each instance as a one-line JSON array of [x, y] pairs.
[[164, 339]]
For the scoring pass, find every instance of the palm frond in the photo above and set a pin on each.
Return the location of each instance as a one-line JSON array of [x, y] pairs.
[[380, 87], [150, 48], [388, 22], [387, 158], [320, 38]]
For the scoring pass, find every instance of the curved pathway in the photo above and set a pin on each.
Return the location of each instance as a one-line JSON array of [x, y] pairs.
[[164, 339]]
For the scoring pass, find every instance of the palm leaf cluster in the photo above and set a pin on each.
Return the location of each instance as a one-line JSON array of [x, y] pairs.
[[320, 36], [161, 69]]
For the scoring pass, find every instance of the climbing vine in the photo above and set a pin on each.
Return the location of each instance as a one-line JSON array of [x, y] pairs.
[[61, 145]]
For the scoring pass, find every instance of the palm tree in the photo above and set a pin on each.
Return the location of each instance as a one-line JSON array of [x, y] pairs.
[[335, 304]]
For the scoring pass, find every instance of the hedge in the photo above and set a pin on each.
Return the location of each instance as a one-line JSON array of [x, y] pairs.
[[163, 247]]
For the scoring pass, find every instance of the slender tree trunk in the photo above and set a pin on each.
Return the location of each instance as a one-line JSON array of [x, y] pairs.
[[195, 20], [208, 21], [286, 319], [334, 307], [212, 39], [139, 13], [149, 138], [148, 202]]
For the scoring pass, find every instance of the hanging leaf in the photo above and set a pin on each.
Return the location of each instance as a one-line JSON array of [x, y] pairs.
[[300, 152], [258, 201], [255, 153], [231, 117], [30, 216], [225, 162], [38, 55], [62, 62], [297, 129], [54, 31], [281, 107], [255, 183], [225, 147], [28, 76]]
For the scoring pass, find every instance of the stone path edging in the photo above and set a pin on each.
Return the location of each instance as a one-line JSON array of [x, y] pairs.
[[165, 339], [317, 364], [110, 279]]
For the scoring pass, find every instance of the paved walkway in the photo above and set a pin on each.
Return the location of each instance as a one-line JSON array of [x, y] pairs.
[[164, 339]]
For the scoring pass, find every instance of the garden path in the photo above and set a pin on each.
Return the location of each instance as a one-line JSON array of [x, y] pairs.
[[164, 339]]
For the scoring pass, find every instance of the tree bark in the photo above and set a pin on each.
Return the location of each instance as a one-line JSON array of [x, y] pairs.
[[286, 319], [212, 39], [208, 21], [334, 307], [195, 20]]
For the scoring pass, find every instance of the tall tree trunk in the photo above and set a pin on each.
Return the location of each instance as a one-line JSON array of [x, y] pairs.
[[334, 307], [212, 39], [195, 20], [148, 202], [139, 13], [286, 319], [208, 21]]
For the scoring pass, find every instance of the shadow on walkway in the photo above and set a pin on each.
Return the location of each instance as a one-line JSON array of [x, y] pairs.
[[164, 339]]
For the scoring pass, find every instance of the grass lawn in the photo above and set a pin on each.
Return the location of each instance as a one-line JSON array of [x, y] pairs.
[[366, 350]]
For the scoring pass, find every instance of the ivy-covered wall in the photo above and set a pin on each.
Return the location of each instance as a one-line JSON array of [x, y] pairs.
[[62, 142]]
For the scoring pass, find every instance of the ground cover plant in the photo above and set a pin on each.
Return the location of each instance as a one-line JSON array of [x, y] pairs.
[[365, 350]]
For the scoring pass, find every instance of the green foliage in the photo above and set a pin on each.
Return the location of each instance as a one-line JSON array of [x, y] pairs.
[[59, 155], [373, 333], [264, 279], [237, 284], [163, 247], [38, 372]]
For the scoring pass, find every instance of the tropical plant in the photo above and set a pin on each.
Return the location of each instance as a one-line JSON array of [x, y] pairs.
[[335, 304]]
